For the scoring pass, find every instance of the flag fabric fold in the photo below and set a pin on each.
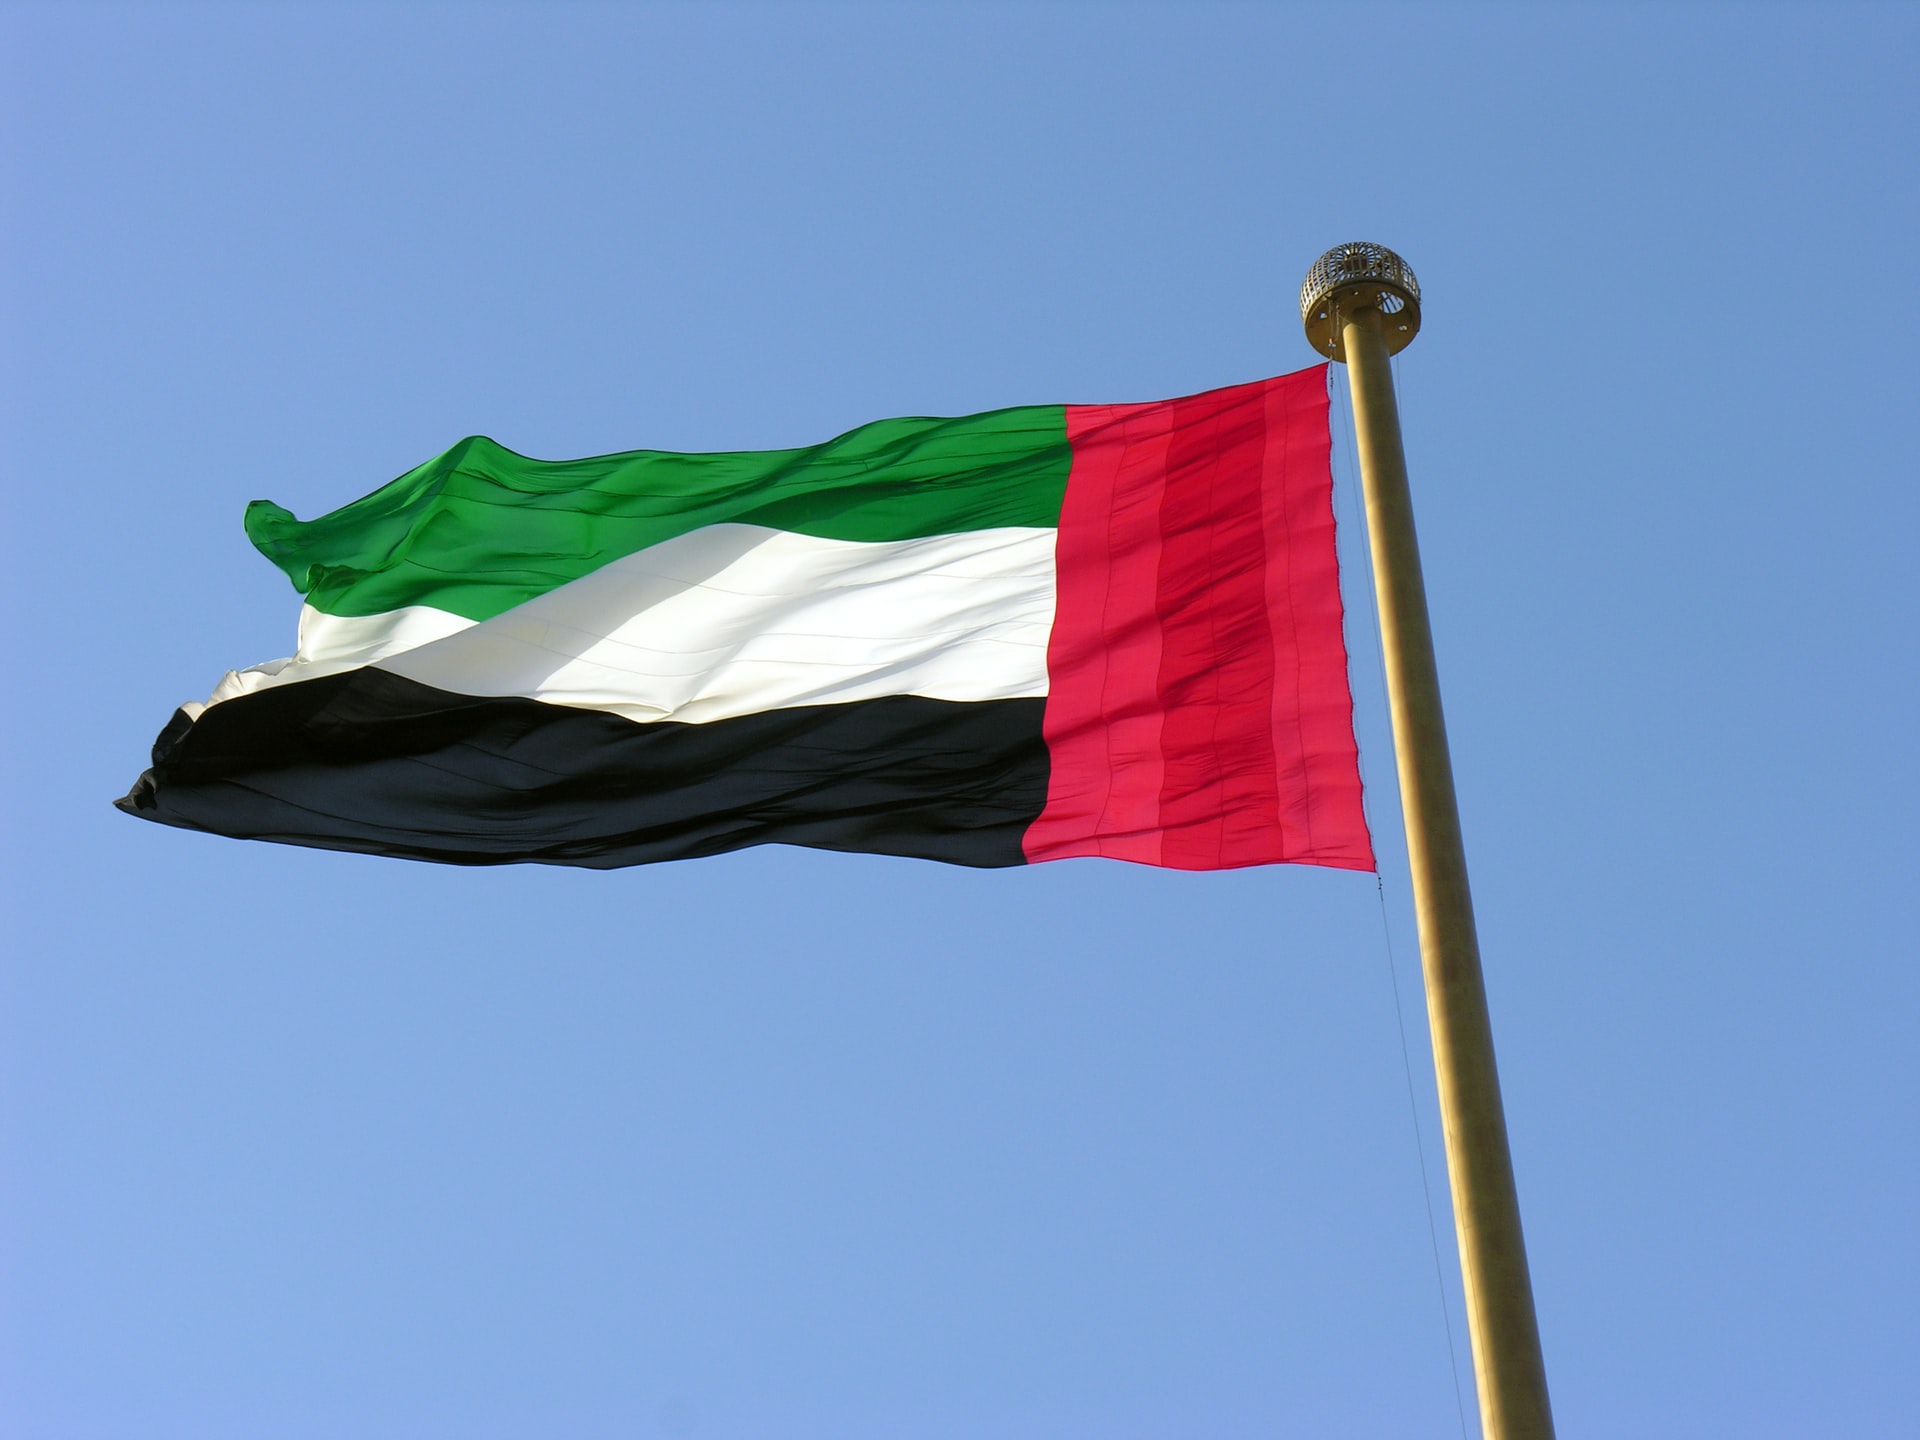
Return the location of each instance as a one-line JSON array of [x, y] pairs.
[[1032, 634]]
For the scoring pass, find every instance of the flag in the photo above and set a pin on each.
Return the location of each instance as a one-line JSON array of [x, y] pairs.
[[1026, 635]]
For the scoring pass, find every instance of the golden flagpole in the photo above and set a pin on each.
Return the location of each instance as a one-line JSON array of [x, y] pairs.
[[1361, 305]]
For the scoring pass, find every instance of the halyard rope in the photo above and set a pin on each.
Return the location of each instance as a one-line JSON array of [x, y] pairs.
[[1344, 451]]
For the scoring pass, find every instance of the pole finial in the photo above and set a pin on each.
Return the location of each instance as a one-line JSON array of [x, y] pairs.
[[1349, 277]]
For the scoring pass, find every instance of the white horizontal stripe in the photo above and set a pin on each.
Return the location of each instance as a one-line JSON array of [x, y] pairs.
[[332, 643], [731, 620]]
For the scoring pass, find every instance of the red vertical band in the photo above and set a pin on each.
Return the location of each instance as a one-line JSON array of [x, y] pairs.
[[1198, 714]]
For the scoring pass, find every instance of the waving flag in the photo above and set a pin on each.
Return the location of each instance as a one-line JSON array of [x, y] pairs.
[[1026, 635]]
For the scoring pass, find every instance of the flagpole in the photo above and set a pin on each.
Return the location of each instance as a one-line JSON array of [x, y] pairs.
[[1361, 306]]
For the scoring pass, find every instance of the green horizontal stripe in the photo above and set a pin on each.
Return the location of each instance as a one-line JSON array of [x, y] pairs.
[[479, 529]]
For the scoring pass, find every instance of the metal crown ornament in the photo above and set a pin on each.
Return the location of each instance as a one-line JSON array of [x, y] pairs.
[[1351, 277]]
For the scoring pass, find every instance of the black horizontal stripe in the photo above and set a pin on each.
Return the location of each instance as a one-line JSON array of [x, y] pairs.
[[370, 761]]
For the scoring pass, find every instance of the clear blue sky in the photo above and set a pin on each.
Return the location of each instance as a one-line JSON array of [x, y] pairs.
[[791, 1145]]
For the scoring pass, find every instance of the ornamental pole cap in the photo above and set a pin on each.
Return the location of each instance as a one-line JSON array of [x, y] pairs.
[[1350, 277]]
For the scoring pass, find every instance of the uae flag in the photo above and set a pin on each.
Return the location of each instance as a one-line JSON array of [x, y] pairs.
[[1026, 635]]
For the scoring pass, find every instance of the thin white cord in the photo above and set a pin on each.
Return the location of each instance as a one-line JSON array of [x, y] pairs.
[[1352, 468]]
